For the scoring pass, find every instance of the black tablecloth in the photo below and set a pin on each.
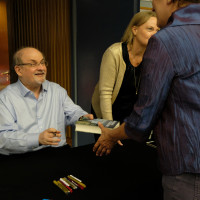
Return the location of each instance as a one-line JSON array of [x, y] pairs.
[[129, 172]]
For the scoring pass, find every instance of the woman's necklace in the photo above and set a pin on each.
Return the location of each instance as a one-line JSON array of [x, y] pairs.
[[135, 61], [137, 82]]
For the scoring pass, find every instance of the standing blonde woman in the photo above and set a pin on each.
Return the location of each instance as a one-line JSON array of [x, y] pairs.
[[116, 91]]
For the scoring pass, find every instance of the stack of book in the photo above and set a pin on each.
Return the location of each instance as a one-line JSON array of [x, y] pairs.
[[91, 126]]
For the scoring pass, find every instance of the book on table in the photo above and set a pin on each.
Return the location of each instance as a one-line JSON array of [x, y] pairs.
[[91, 126]]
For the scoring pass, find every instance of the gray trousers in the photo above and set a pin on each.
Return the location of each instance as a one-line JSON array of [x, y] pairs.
[[181, 187]]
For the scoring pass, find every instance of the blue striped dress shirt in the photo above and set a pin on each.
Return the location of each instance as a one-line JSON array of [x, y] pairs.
[[23, 117], [169, 95]]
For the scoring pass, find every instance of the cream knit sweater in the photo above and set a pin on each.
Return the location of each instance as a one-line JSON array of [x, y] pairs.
[[112, 71]]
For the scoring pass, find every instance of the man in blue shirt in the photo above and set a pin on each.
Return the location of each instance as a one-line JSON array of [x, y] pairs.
[[33, 111], [169, 99]]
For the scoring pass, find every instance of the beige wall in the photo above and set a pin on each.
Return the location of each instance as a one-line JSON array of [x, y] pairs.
[[145, 5]]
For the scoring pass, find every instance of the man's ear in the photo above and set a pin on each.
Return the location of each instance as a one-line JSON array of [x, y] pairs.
[[18, 70]]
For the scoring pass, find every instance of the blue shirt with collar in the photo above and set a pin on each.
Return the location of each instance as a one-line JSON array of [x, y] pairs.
[[169, 94], [23, 117]]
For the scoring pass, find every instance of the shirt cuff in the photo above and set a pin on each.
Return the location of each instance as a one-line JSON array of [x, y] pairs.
[[81, 114], [134, 134], [33, 140]]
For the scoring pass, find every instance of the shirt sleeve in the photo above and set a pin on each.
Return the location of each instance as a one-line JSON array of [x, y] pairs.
[[12, 139], [156, 76], [72, 111]]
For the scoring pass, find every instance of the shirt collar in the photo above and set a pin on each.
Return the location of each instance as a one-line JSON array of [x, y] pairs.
[[186, 15], [45, 86], [24, 90]]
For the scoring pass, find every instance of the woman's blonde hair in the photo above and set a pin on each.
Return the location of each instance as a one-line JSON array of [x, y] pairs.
[[137, 20]]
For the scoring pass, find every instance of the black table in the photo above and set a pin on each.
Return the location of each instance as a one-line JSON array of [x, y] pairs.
[[129, 172]]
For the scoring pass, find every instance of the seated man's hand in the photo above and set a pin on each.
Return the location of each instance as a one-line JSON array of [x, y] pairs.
[[50, 137], [89, 116]]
